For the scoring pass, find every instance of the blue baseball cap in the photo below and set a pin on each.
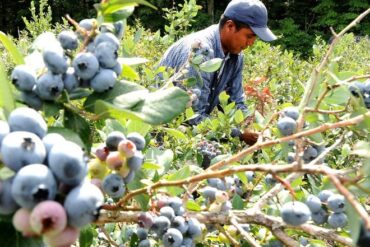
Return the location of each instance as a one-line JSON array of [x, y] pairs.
[[252, 13]]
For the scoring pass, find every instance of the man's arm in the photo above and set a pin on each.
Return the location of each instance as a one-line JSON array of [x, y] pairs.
[[235, 88]]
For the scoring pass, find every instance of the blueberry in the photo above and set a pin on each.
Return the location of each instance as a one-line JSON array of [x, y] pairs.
[[31, 99], [235, 132], [33, 184], [167, 212], [86, 65], [107, 37], [314, 203], [295, 213], [309, 154], [136, 161], [180, 224], [145, 243], [87, 24], [68, 40], [113, 139], [357, 89], [130, 177], [7, 203], [194, 228], [83, 204], [320, 217], [138, 139], [287, 126], [21, 148], [27, 119], [49, 86], [66, 160], [291, 112], [270, 180], [336, 203], [142, 233], [23, 77], [324, 195], [251, 176], [117, 69], [172, 238], [54, 60], [291, 157], [336, 220], [51, 139], [209, 193], [106, 54], [4, 130], [70, 80], [103, 80], [160, 225], [175, 203], [114, 186]]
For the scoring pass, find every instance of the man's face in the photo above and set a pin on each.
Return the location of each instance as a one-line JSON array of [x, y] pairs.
[[237, 40]]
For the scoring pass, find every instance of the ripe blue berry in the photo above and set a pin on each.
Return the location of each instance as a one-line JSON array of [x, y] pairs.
[[295, 213], [33, 184], [287, 126], [336, 220], [83, 204], [138, 139], [27, 119], [114, 186]]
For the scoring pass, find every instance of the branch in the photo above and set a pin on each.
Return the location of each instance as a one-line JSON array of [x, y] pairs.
[[242, 216], [252, 242]]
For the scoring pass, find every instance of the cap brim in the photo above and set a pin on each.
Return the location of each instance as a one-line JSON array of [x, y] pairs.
[[264, 33]]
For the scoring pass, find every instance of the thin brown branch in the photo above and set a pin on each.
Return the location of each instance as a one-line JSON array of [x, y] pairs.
[[231, 239], [109, 239], [252, 242]]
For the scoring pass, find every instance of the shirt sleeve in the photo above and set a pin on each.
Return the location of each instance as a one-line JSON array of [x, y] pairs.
[[235, 88], [176, 57]]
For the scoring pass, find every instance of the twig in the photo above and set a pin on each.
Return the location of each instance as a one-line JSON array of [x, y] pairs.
[[109, 239], [232, 240], [252, 242], [242, 216]]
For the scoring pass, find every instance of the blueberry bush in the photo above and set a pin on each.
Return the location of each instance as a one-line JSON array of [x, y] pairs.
[[95, 149]]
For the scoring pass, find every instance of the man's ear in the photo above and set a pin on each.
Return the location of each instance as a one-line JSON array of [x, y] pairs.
[[230, 25]]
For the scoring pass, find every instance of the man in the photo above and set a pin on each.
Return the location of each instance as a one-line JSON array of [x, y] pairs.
[[239, 25]]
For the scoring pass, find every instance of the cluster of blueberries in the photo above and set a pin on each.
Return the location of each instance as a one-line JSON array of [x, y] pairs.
[[47, 193], [116, 162], [326, 207], [208, 150], [95, 65], [359, 89], [170, 226]]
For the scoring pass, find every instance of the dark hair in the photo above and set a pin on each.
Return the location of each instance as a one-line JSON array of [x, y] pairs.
[[239, 25]]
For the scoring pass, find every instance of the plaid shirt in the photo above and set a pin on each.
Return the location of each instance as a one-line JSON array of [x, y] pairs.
[[228, 78]]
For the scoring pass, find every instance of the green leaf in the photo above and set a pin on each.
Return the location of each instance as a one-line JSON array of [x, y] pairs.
[[150, 166], [175, 133], [338, 96], [362, 149], [138, 126], [86, 236], [211, 65], [162, 157], [131, 99], [130, 61], [237, 202], [12, 49], [79, 93], [129, 73], [142, 199], [238, 117], [5, 173], [7, 101], [67, 134], [183, 173], [115, 5], [193, 206], [79, 125], [158, 108], [118, 15], [10, 237], [119, 88]]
